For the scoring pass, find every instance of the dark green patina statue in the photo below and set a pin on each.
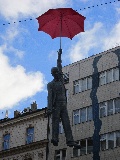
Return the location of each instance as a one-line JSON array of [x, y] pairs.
[[57, 106]]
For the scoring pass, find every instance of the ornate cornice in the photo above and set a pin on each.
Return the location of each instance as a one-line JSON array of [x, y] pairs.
[[23, 148], [25, 117]]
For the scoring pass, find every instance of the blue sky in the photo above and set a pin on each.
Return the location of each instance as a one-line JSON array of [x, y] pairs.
[[27, 56]]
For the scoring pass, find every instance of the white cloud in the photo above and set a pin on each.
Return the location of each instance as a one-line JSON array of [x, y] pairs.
[[113, 38], [86, 41], [12, 9], [97, 38], [16, 84]]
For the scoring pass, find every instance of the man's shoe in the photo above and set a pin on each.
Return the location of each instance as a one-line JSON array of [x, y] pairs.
[[73, 144], [55, 142]]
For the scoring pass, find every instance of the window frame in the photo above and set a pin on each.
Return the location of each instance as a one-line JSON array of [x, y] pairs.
[[7, 141], [105, 73], [29, 135], [60, 154], [86, 147], [79, 84], [77, 115]]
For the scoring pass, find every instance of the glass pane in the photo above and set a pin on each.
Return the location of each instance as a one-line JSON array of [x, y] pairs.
[[89, 113], [80, 85], [83, 115], [110, 140], [109, 76], [6, 145], [7, 137], [76, 116], [103, 142], [102, 78], [57, 152], [76, 87], [118, 138], [84, 85], [30, 130], [63, 153], [116, 74], [102, 109], [57, 158], [89, 83], [75, 151], [83, 147], [117, 105], [110, 107], [90, 145], [29, 139]]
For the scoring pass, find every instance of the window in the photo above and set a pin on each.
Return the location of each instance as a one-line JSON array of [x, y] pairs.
[[89, 145], [83, 115], [76, 116], [116, 74], [103, 78], [76, 152], [6, 142], [86, 147], [61, 130], [89, 113], [103, 142], [110, 140], [30, 134], [60, 154], [109, 76], [82, 85], [110, 107], [118, 138], [117, 105], [103, 109], [83, 147], [110, 137], [89, 82], [76, 86]]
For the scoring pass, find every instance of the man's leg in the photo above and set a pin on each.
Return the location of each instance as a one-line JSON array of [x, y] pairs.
[[55, 125], [67, 128], [66, 123]]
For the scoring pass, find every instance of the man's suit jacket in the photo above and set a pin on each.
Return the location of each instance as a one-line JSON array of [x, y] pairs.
[[51, 94]]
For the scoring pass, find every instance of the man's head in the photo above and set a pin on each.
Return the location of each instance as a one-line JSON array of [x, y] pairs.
[[55, 72]]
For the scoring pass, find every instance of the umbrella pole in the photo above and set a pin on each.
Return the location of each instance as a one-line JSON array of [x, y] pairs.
[[59, 61]]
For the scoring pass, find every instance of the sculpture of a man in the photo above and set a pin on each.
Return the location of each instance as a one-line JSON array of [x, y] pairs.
[[57, 106]]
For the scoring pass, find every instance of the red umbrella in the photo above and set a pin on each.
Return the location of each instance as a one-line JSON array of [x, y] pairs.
[[61, 22]]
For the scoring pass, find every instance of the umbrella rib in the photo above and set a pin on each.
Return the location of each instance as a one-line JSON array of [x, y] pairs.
[[48, 22], [76, 23], [68, 29], [55, 29]]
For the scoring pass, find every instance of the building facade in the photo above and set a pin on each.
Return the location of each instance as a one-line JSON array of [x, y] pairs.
[[24, 137], [93, 93]]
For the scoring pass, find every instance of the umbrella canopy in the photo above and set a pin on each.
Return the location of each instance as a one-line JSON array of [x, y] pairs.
[[61, 22]]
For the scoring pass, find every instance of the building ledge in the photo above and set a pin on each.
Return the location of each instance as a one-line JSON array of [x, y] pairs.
[[23, 148]]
